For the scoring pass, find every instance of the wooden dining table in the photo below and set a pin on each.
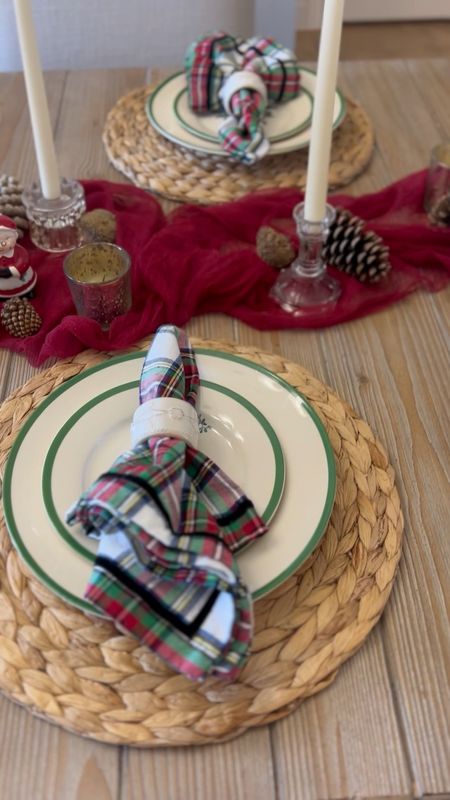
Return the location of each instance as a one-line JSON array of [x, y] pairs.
[[381, 730]]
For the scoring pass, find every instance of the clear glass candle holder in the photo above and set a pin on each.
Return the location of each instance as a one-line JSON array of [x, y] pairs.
[[305, 287], [54, 224], [98, 275], [437, 184]]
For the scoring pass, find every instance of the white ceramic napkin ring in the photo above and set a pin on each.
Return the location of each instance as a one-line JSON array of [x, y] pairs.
[[241, 79], [165, 416]]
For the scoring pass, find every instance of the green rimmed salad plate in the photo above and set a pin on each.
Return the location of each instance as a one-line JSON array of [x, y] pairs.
[[281, 122]]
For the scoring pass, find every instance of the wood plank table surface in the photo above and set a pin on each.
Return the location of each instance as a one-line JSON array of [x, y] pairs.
[[382, 729]]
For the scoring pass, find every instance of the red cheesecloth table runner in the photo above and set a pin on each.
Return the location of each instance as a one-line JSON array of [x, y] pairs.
[[203, 259]]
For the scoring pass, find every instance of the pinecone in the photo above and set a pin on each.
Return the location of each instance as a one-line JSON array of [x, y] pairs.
[[20, 318], [274, 248], [440, 213], [11, 202], [353, 250]]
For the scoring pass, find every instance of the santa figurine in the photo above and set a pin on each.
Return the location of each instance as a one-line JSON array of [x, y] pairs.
[[17, 277]]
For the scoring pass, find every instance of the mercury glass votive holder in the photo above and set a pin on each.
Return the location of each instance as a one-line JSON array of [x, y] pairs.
[[99, 278], [54, 224]]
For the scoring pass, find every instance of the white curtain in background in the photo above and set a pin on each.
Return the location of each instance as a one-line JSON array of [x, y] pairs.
[[77, 34]]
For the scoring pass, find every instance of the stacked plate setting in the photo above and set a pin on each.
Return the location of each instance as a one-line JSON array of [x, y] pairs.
[[287, 125], [256, 426]]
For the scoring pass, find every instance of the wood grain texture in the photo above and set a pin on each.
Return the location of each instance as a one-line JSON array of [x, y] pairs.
[[88, 97], [43, 762], [381, 730], [431, 82], [321, 751], [17, 153], [241, 770]]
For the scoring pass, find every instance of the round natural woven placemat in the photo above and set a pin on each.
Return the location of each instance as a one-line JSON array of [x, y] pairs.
[[152, 162], [78, 672]]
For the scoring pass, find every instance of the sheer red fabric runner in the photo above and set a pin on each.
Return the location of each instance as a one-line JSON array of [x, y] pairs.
[[203, 259]]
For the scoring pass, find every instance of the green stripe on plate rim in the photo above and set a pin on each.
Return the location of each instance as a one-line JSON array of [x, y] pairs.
[[275, 582], [49, 462], [210, 138], [172, 138]]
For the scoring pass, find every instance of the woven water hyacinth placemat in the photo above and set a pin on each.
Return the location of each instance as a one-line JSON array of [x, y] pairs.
[[78, 672], [152, 162]]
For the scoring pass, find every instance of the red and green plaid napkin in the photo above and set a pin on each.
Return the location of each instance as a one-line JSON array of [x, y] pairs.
[[170, 523], [242, 134], [213, 60]]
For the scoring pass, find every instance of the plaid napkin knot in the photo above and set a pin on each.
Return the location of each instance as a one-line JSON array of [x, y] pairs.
[[242, 77], [169, 523]]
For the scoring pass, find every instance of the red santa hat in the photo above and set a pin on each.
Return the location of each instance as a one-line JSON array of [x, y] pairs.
[[6, 223]]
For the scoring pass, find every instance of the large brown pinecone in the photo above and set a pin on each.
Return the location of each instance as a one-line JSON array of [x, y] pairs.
[[353, 250], [11, 202], [273, 247], [20, 318]]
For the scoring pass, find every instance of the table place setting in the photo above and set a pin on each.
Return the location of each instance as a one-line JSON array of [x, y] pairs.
[[99, 407], [191, 105], [319, 459], [169, 524], [212, 530]]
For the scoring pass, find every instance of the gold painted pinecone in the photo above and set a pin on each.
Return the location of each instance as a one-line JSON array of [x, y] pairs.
[[11, 202], [274, 248], [20, 318], [98, 225]]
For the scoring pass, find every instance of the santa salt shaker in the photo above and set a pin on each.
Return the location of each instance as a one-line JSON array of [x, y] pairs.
[[17, 277]]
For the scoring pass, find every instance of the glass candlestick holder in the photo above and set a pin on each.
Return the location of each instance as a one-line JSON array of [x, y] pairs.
[[305, 287], [54, 224]]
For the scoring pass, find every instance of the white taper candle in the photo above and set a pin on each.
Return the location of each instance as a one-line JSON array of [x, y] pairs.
[[37, 101], [322, 120]]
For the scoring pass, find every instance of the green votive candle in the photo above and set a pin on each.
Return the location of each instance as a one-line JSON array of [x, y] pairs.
[[98, 275]]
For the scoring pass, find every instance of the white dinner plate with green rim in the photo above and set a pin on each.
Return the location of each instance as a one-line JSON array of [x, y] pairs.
[[280, 122], [60, 431], [160, 108]]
